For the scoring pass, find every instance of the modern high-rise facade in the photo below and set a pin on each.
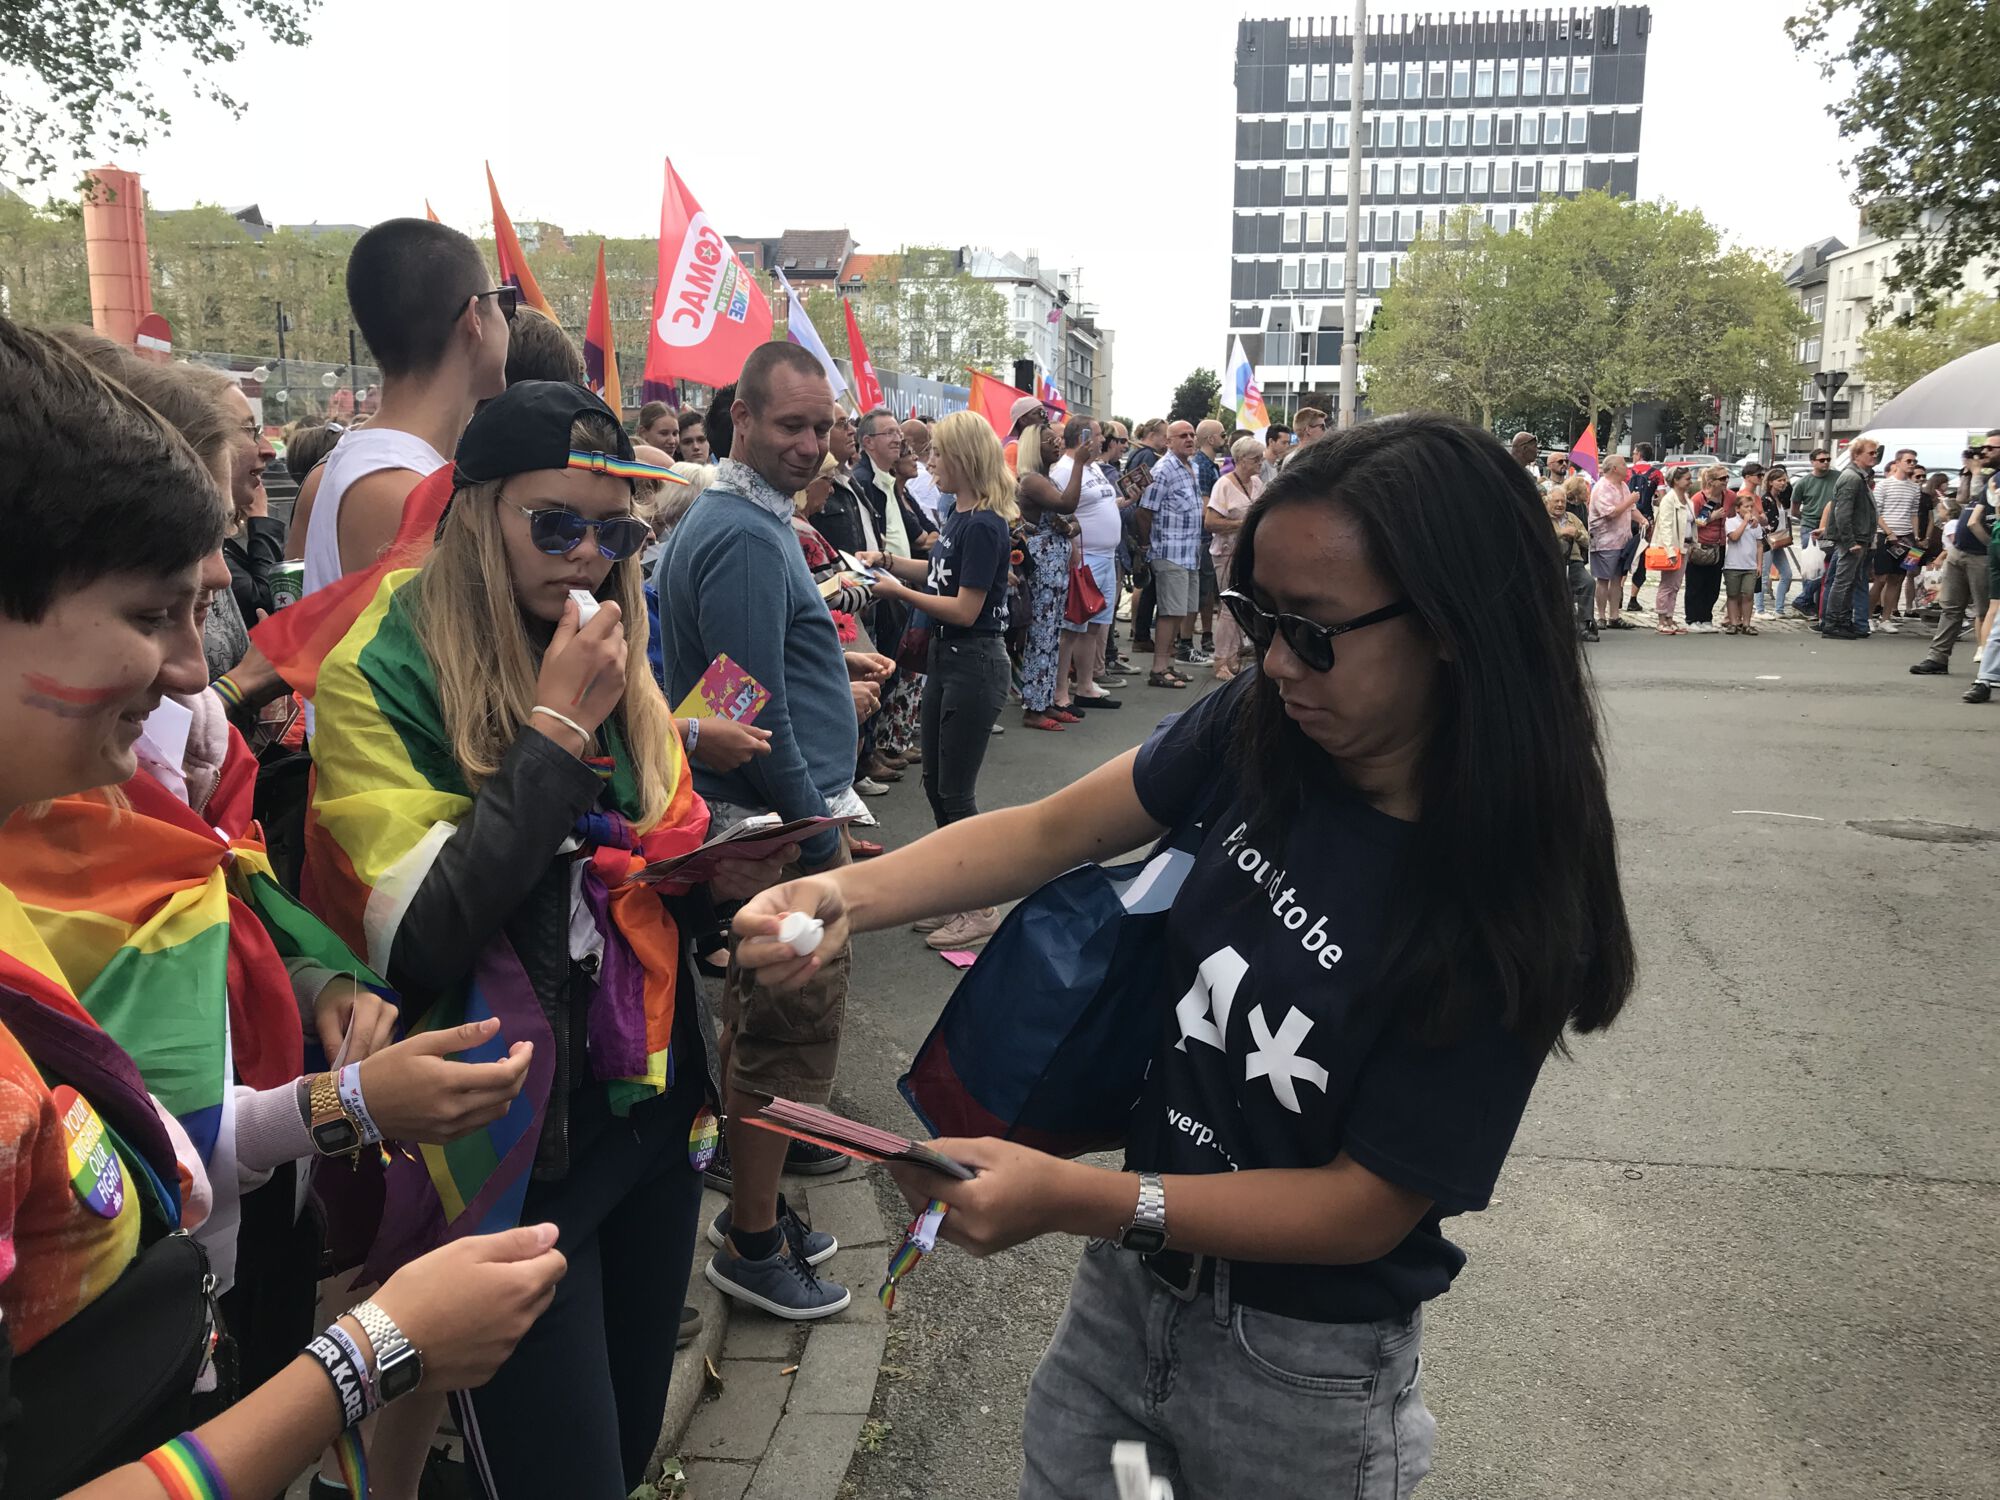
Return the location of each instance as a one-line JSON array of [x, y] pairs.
[[1495, 110]]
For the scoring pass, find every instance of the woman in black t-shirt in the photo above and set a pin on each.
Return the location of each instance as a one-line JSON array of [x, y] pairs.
[[1405, 890]]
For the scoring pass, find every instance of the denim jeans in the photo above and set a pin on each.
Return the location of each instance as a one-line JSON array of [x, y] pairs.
[[964, 692], [1847, 594], [1766, 599], [1230, 1401]]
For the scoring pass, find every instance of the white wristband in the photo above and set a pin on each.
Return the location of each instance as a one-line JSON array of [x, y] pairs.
[[563, 719], [349, 1079]]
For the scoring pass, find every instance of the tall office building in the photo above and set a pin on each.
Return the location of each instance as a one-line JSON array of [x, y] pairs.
[[1495, 110]]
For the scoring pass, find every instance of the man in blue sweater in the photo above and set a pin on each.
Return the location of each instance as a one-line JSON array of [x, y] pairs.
[[732, 579]]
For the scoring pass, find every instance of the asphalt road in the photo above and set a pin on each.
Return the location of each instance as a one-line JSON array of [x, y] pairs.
[[1744, 1245]]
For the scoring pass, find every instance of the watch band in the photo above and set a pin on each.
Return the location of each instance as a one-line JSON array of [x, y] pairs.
[[1148, 1228], [399, 1364], [381, 1329]]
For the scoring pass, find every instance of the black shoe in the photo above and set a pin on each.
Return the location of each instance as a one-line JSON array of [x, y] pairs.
[[716, 1173], [1841, 633], [1634, 607], [1590, 636], [1930, 666], [804, 1159], [1208, 644], [1979, 692], [690, 1326]]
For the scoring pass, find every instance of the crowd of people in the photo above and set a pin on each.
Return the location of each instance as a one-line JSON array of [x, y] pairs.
[[339, 866]]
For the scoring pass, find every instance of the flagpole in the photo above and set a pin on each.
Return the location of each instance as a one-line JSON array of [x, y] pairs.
[[1350, 360]]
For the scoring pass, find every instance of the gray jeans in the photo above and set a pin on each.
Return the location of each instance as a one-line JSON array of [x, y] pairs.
[[1230, 1401]]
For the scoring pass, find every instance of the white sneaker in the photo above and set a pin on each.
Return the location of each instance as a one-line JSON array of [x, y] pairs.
[[1888, 627], [966, 930], [868, 786]]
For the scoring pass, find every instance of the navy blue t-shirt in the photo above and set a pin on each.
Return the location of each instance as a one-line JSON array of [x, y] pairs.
[[973, 550], [1276, 1049]]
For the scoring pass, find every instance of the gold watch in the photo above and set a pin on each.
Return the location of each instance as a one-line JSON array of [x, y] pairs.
[[334, 1131]]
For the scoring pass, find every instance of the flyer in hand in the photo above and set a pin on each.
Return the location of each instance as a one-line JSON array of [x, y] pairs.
[[824, 1128], [753, 838], [725, 691]]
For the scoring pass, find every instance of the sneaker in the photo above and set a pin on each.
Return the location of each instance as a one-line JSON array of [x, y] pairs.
[[932, 924], [716, 1173], [1979, 692], [809, 1159], [1208, 644], [1930, 666], [966, 930], [868, 786], [815, 1244], [1633, 607], [1108, 682], [1198, 658], [690, 1325], [782, 1285], [1888, 627]]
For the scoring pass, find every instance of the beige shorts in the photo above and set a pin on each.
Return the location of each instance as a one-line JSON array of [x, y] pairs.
[[786, 1044]]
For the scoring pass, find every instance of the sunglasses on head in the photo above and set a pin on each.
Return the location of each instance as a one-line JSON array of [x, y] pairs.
[[558, 530], [1310, 641]]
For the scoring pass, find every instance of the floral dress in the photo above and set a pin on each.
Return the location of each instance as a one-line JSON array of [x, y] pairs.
[[1048, 593]]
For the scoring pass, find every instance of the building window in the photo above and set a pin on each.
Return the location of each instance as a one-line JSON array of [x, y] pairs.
[[1389, 84], [1816, 309], [1288, 275], [1291, 230], [1316, 179], [1361, 272], [1295, 181], [1458, 130], [1314, 269], [1411, 124], [1482, 131], [1531, 130], [1295, 134], [1295, 84], [1343, 83], [1506, 136], [1367, 83], [1319, 83], [1552, 128], [1481, 176], [1340, 135], [1811, 354], [1409, 176], [1558, 71], [1315, 225], [1551, 176], [1524, 177], [1509, 77], [1406, 224], [1461, 80], [1434, 131], [1579, 78], [1364, 227], [1385, 270], [1337, 179], [1579, 127], [1413, 80], [1020, 305], [1336, 276], [1433, 177], [1482, 81], [1437, 81], [1319, 132], [1572, 177], [1454, 179], [1336, 227], [1531, 77]]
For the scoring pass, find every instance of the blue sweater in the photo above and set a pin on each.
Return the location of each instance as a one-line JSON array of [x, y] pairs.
[[734, 581]]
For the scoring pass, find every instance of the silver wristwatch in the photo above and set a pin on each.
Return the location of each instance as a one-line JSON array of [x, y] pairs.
[[399, 1364], [1147, 1233]]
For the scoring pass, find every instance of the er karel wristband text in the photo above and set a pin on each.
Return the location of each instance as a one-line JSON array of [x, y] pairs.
[[356, 1106], [350, 1382]]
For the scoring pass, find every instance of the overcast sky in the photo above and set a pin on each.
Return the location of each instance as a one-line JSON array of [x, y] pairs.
[[1099, 134]]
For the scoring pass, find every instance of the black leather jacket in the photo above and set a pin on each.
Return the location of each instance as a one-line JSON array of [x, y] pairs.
[[500, 874]]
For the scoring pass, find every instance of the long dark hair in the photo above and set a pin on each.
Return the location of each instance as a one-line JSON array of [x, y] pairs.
[[1509, 897]]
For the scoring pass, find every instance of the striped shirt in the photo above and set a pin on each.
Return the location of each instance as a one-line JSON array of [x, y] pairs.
[[1897, 500]]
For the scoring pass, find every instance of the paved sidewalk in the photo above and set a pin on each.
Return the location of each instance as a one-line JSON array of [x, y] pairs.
[[794, 1396]]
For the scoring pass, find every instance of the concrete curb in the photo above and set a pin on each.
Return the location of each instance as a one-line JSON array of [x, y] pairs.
[[690, 1378], [795, 1396]]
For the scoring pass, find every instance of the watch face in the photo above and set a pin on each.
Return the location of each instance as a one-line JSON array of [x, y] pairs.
[[403, 1372], [1144, 1240], [335, 1137]]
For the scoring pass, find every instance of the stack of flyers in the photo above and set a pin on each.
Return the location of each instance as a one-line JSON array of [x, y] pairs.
[[725, 691], [753, 838], [824, 1128]]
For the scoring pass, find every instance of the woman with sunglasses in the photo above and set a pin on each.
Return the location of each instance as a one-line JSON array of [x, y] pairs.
[[495, 771], [1406, 892]]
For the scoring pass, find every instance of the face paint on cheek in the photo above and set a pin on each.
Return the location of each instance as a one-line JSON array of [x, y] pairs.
[[65, 699]]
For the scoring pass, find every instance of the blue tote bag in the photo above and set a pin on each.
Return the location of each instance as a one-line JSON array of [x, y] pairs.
[[1047, 1038]]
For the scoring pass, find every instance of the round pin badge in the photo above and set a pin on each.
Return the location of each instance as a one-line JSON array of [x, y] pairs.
[[95, 1175], [702, 1138]]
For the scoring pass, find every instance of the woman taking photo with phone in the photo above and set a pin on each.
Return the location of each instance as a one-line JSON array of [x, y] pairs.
[[1406, 891]]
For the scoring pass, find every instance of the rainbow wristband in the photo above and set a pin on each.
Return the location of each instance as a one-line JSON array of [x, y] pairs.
[[225, 688], [187, 1470]]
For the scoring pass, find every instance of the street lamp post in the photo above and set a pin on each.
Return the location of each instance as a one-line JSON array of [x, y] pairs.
[[1829, 383]]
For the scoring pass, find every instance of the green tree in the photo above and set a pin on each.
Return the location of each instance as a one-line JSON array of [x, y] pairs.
[[43, 276], [1443, 338], [1900, 355], [1194, 397], [1919, 95], [73, 75]]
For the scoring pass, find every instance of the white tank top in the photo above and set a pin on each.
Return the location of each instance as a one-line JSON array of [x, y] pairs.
[[357, 455]]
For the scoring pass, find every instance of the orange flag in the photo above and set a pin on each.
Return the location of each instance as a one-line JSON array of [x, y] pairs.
[[600, 356], [994, 400], [513, 264], [431, 213]]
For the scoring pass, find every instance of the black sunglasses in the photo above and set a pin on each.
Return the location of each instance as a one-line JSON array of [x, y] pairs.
[[1310, 641], [557, 531], [506, 298]]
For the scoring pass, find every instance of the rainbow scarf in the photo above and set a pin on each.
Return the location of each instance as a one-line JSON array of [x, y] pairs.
[[170, 928], [388, 797]]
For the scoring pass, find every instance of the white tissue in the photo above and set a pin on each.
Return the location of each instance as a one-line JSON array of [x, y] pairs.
[[586, 606], [800, 932]]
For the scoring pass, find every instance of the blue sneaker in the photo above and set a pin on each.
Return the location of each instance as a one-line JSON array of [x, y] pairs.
[[783, 1285], [815, 1245]]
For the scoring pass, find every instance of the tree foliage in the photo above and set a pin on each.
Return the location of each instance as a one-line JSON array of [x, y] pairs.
[[1899, 355], [1194, 398], [1594, 303], [73, 75], [1919, 94]]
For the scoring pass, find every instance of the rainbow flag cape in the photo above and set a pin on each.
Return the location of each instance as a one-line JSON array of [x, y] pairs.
[[513, 264], [388, 798], [600, 355], [172, 931]]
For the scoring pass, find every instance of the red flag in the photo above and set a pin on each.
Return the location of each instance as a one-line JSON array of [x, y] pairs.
[[708, 312], [600, 355], [431, 213], [867, 389], [514, 270], [994, 400], [1584, 455]]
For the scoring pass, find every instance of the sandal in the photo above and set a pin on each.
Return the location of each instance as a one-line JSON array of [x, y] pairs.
[[1664, 629], [1164, 680], [1063, 715], [1044, 722], [1748, 630]]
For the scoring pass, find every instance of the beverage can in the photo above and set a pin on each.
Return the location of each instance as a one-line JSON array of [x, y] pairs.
[[288, 583]]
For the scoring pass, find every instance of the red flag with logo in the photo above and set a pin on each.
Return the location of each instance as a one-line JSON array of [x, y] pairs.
[[514, 270], [867, 389], [708, 311]]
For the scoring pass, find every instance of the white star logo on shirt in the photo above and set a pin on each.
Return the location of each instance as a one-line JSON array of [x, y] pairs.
[[1277, 1057]]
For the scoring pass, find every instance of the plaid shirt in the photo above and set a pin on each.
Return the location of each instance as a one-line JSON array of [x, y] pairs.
[[1176, 506]]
